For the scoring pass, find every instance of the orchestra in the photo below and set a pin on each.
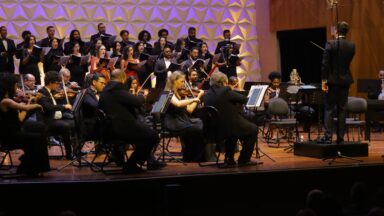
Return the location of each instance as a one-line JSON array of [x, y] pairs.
[[118, 75]]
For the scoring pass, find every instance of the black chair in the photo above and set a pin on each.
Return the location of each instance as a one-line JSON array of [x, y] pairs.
[[106, 143], [210, 117], [279, 109], [356, 107], [6, 153]]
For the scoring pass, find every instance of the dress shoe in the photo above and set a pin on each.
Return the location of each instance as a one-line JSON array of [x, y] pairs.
[[155, 165], [249, 163], [325, 140], [230, 162], [132, 168]]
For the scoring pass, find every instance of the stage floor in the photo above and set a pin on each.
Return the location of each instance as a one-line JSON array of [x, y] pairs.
[[284, 161]]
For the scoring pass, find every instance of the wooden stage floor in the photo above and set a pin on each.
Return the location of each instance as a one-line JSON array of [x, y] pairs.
[[284, 161]]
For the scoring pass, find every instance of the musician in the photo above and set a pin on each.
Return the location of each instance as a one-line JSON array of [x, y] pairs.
[[177, 119], [227, 41], [77, 68], [102, 32], [100, 68], [336, 80], [7, 50], [161, 68], [190, 62], [98, 42], [30, 84], [232, 126], [24, 34], [205, 54], [30, 59], [13, 133], [375, 94], [74, 37], [47, 42], [144, 36], [159, 46], [273, 90], [118, 104], [128, 57], [191, 40], [72, 86], [52, 57], [180, 51], [53, 112], [117, 51], [124, 34], [163, 33], [90, 103], [193, 79], [224, 63], [233, 83]]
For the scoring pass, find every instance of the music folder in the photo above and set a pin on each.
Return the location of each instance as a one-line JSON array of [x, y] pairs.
[[233, 59], [198, 62], [63, 60], [160, 107], [174, 67], [37, 50], [256, 96]]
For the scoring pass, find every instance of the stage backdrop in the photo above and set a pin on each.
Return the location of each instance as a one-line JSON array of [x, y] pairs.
[[210, 17]]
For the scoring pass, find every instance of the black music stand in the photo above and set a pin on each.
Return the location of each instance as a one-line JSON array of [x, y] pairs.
[[158, 112], [255, 97]]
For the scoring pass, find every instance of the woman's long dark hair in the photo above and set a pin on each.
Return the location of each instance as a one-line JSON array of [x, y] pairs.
[[7, 85]]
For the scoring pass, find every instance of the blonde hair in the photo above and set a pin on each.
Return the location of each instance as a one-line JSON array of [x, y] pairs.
[[171, 79]]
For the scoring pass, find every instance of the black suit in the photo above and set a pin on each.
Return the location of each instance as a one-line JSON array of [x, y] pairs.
[[47, 42], [120, 105], [337, 58], [232, 125], [161, 71], [223, 44], [193, 42], [89, 109], [56, 126], [6, 62]]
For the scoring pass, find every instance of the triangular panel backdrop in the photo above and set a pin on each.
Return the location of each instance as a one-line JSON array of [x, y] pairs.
[[210, 17]]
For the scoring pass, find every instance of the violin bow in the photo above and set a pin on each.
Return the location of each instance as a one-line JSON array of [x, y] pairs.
[[65, 89]]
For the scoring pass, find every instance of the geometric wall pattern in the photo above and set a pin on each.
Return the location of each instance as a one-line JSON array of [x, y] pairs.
[[210, 17]]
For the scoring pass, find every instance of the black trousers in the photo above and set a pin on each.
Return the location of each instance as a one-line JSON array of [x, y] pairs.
[[193, 139], [63, 128], [248, 141], [335, 106]]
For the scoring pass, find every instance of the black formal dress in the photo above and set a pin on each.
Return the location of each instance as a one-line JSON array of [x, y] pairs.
[[337, 58], [51, 60], [31, 66], [120, 105], [78, 70], [6, 62], [47, 42], [232, 126], [228, 69], [190, 131], [13, 135]]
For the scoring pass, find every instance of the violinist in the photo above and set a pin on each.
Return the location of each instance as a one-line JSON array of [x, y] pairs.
[[53, 112], [231, 125], [71, 87], [12, 131], [89, 105], [118, 104], [30, 84], [177, 118]]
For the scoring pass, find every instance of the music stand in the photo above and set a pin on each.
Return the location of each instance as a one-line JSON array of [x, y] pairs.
[[255, 98], [76, 110], [158, 111]]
